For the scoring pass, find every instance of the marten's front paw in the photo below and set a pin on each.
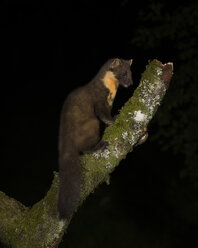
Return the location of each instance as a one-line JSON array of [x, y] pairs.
[[111, 121], [108, 122], [102, 145], [115, 117]]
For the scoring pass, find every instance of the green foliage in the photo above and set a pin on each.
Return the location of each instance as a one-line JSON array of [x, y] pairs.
[[171, 32]]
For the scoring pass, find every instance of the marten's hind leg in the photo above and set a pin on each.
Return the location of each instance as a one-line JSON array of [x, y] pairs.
[[89, 137]]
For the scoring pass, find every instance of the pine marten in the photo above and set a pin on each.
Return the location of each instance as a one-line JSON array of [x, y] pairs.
[[81, 114]]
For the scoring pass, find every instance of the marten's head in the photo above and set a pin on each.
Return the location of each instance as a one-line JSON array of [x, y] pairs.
[[116, 72], [121, 70]]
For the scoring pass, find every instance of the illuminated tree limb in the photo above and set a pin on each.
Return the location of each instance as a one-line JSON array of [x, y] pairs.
[[39, 226]]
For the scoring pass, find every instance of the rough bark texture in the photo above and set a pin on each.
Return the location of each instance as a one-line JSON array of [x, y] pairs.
[[39, 226]]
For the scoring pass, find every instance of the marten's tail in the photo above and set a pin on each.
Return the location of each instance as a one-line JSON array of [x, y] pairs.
[[70, 178]]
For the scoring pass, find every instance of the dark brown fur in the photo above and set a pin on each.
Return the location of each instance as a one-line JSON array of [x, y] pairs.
[[80, 125]]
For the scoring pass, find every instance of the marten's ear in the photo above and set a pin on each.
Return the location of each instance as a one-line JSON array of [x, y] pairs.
[[115, 63], [130, 61]]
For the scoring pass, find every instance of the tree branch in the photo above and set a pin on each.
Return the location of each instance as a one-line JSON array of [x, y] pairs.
[[39, 225]]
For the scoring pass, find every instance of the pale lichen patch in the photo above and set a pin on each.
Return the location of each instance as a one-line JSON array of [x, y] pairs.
[[96, 154], [105, 153], [61, 225], [108, 165], [159, 71], [139, 116], [125, 135]]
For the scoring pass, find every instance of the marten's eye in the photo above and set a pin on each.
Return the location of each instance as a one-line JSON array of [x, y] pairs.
[[125, 74]]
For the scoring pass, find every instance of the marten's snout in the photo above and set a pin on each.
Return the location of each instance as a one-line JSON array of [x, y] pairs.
[[127, 84], [126, 81]]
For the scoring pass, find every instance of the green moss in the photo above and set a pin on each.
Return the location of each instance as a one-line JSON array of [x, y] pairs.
[[152, 72], [123, 121]]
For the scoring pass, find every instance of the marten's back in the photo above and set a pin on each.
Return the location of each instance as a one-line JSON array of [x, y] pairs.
[[78, 120]]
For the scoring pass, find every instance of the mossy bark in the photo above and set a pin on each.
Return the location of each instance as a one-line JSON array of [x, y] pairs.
[[39, 226]]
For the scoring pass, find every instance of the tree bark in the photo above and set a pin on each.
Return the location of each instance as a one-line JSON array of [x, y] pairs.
[[39, 226]]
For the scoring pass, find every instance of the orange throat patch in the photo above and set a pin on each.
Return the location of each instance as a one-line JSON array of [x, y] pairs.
[[111, 83]]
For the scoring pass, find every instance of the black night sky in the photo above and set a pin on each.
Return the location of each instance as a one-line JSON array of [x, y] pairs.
[[48, 50]]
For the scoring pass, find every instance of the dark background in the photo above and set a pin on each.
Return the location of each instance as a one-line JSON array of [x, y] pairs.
[[48, 50]]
